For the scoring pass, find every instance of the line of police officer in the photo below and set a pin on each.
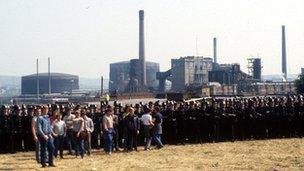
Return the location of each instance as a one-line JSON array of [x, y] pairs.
[[208, 120], [15, 129], [234, 119]]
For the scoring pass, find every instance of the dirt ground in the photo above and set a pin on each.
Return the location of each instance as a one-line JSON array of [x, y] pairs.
[[287, 154]]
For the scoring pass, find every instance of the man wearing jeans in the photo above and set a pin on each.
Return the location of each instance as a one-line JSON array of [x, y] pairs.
[[157, 129], [68, 119], [59, 130], [107, 125], [35, 133], [44, 129], [147, 123], [88, 128]]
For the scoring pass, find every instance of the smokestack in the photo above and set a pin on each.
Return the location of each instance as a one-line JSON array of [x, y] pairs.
[[141, 54], [214, 50], [37, 77], [101, 86], [49, 75], [284, 62]]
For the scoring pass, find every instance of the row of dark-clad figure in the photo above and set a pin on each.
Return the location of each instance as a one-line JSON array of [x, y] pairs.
[[207, 120]]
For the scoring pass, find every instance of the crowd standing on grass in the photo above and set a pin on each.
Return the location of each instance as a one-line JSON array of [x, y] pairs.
[[50, 129]]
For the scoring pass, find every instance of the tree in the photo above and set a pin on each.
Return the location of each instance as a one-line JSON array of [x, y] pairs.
[[299, 83]]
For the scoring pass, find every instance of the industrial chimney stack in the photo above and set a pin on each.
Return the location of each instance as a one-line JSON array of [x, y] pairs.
[[284, 62], [37, 79], [214, 50], [141, 54], [49, 76]]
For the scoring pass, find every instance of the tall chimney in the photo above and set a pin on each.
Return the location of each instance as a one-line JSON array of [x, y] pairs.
[[141, 53], [49, 75], [37, 79], [214, 50], [284, 62], [101, 86]]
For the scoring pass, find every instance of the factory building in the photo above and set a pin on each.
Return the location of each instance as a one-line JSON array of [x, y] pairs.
[[227, 74], [188, 71], [136, 75], [255, 68], [119, 76], [59, 83], [151, 69], [125, 76]]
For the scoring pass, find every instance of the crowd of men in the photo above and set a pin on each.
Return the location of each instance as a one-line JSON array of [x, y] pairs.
[[49, 129], [117, 127]]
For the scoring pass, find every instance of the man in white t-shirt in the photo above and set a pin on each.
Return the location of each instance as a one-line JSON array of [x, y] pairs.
[[147, 123], [68, 119], [59, 131]]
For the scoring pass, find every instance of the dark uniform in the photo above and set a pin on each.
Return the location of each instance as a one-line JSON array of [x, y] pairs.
[[206, 123], [231, 121], [170, 126], [29, 143], [6, 131], [17, 129], [181, 124], [95, 134], [194, 119]]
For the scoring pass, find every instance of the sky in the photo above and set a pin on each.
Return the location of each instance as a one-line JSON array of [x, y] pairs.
[[84, 36]]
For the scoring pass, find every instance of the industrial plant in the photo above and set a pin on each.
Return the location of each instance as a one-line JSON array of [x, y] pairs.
[[59, 83], [135, 75], [196, 75]]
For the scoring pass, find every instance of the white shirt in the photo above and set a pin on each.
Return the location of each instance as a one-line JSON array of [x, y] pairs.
[[146, 119], [59, 127], [34, 119], [68, 119], [88, 124]]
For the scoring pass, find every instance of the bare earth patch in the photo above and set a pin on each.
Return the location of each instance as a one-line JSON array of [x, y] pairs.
[[286, 154]]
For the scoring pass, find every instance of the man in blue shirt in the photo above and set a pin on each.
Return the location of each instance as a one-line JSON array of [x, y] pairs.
[[44, 129], [157, 128]]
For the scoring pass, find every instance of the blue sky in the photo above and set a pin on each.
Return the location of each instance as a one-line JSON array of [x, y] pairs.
[[84, 36]]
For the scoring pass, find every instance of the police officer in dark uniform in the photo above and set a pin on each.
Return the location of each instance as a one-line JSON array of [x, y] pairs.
[[248, 119], [261, 128], [231, 119], [291, 122], [28, 114], [120, 125], [6, 127], [181, 123], [17, 129], [165, 111], [240, 125], [215, 114], [96, 120], [223, 126], [191, 114], [206, 121], [170, 124], [298, 106], [280, 118]]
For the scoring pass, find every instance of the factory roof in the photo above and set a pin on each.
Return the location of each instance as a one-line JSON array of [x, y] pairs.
[[122, 62], [127, 62], [53, 75]]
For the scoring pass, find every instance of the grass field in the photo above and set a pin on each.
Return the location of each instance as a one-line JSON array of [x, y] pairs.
[[286, 154]]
